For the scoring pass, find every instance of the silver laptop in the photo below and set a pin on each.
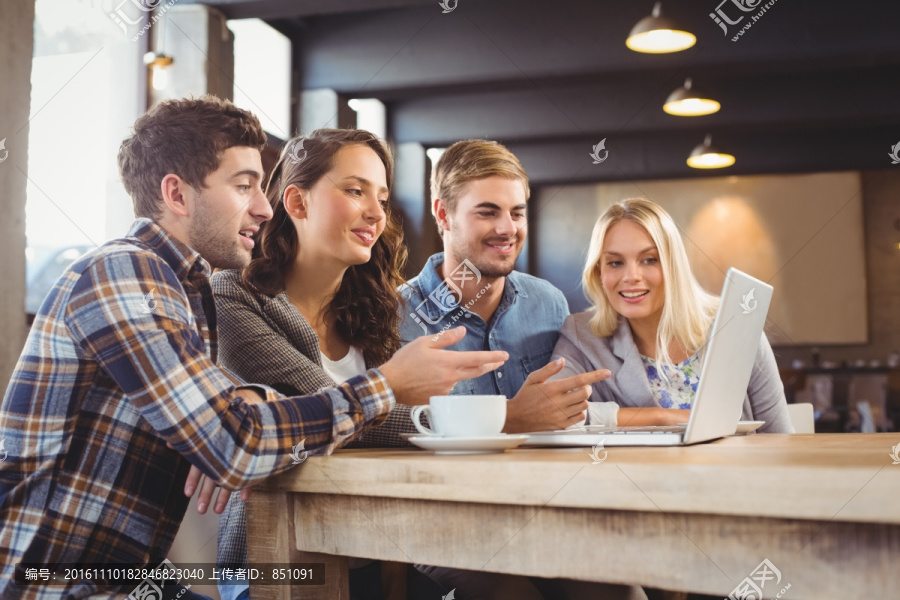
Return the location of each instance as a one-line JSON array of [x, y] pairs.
[[727, 364]]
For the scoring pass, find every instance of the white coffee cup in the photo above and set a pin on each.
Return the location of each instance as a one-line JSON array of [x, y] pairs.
[[462, 416]]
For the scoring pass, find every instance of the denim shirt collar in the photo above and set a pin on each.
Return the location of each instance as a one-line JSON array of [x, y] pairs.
[[429, 280]]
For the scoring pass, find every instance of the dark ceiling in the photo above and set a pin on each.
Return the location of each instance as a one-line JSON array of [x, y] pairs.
[[813, 85]]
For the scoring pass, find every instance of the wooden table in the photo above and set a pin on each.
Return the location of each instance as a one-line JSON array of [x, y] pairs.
[[824, 509]]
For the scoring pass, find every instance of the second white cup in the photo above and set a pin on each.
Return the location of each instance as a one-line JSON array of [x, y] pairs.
[[462, 416]]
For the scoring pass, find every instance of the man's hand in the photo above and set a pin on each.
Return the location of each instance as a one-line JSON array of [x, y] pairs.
[[208, 487], [422, 368], [555, 405]]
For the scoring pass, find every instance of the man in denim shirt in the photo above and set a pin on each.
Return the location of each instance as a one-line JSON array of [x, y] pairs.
[[480, 193]]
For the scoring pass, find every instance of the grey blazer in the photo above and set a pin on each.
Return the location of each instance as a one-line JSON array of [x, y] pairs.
[[266, 340], [628, 386]]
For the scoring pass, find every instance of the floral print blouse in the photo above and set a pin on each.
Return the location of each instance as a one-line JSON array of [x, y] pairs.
[[683, 379]]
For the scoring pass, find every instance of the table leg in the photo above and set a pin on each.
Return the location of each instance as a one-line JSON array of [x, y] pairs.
[[271, 539]]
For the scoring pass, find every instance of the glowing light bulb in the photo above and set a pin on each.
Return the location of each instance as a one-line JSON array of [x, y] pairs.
[[160, 77]]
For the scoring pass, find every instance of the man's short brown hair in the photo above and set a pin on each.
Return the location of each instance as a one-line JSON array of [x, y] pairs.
[[471, 160], [185, 137]]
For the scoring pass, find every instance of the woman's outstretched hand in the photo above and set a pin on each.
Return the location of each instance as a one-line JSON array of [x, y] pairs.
[[422, 368]]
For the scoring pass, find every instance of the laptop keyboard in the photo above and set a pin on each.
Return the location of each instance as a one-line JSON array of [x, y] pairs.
[[628, 430]]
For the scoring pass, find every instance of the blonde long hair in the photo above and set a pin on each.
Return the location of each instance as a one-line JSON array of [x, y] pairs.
[[688, 310]]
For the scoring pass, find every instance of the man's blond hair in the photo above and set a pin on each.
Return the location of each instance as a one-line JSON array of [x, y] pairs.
[[471, 160]]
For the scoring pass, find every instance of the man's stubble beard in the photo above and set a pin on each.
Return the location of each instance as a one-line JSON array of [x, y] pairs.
[[462, 251], [206, 232]]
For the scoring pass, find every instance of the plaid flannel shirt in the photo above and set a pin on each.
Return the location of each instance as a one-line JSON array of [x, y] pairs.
[[121, 360]]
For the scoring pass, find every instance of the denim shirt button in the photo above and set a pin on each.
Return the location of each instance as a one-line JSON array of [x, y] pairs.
[[499, 375]]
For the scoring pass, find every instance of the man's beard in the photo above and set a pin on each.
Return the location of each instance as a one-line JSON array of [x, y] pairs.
[[462, 251], [207, 234]]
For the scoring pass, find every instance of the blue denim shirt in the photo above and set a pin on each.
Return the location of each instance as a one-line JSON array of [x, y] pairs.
[[525, 324]]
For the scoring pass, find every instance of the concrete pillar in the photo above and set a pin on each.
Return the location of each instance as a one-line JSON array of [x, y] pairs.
[[411, 194], [129, 102], [325, 108], [16, 49], [201, 44]]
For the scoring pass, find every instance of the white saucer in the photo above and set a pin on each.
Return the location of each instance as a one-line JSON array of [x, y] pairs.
[[748, 426], [466, 445]]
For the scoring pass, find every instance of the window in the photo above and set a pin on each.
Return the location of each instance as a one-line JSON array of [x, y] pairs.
[[370, 115], [84, 99], [262, 74]]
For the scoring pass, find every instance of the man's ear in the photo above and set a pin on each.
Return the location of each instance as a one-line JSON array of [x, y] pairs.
[[174, 189], [439, 210], [295, 202]]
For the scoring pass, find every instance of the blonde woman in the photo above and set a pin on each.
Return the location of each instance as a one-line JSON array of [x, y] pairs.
[[648, 324]]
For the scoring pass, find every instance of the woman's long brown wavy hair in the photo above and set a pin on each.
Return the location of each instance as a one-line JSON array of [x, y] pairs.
[[366, 307]]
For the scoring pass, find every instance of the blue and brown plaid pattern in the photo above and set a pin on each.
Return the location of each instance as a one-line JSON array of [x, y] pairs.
[[121, 360]]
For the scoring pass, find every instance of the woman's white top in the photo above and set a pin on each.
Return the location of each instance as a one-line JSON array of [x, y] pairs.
[[343, 369]]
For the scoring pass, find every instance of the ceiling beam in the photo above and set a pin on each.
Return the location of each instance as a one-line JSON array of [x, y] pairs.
[[805, 100], [293, 9], [489, 43], [643, 157]]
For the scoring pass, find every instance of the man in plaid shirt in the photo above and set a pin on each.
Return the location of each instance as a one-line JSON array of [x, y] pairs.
[[116, 393]]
